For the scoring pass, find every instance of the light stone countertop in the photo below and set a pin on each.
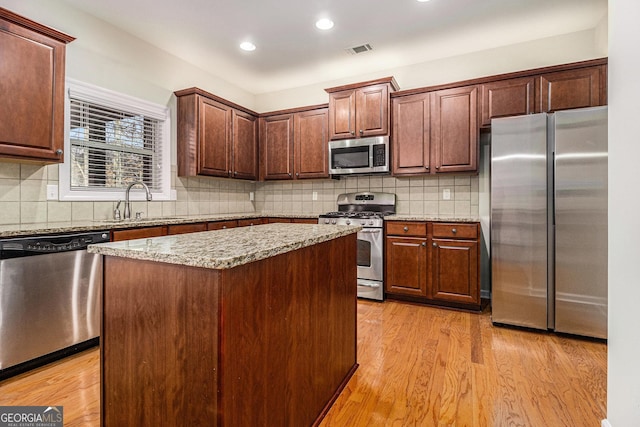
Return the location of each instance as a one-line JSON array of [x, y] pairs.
[[222, 249], [40, 228], [432, 218]]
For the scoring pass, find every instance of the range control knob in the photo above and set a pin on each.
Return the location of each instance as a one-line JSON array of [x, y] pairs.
[[333, 221], [363, 222], [371, 222], [348, 221], [326, 221]]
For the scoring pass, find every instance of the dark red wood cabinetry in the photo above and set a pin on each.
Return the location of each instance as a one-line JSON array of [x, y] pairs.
[[32, 73], [361, 109], [294, 144], [436, 263], [215, 137]]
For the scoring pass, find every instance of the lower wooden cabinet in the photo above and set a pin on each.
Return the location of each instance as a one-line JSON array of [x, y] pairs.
[[186, 228], [138, 233], [433, 262]]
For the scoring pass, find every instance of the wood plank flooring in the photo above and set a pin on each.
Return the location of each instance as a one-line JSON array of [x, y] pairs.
[[419, 366]]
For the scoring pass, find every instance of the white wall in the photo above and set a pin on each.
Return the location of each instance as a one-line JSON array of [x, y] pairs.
[[623, 391]]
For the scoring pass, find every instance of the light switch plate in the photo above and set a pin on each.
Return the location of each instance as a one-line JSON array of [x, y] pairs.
[[52, 192], [251, 196], [446, 194], [314, 195]]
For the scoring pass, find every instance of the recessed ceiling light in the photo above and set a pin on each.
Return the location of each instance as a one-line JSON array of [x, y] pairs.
[[324, 24], [423, 1], [248, 46]]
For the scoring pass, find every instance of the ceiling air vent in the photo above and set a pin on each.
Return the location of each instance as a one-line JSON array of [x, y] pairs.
[[359, 49]]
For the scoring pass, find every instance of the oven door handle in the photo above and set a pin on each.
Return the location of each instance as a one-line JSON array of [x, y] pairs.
[[369, 231]]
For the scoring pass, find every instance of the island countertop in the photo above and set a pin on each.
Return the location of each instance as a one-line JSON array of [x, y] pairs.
[[223, 249]]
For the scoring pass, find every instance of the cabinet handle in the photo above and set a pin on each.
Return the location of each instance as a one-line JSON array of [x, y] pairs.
[[353, 133], [424, 243], [297, 173], [406, 229], [235, 172], [289, 173], [59, 151], [434, 244], [454, 231], [224, 226], [437, 167], [361, 132]]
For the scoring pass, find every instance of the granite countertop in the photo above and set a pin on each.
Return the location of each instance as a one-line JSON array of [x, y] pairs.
[[222, 249], [17, 230], [433, 218]]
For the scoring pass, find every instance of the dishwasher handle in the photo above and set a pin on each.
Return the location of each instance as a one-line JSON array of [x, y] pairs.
[[40, 245]]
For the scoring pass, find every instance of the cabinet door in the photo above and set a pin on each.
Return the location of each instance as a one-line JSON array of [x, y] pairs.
[[571, 89], [214, 137], [276, 139], [411, 135], [406, 266], [311, 148], [245, 146], [505, 98], [372, 110], [342, 117], [454, 127], [455, 271], [32, 69], [220, 225], [186, 228], [138, 233]]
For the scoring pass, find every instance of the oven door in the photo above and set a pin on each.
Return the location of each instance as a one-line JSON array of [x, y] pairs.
[[370, 254]]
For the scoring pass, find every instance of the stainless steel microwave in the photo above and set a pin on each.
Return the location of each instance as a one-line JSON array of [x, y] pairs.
[[359, 156]]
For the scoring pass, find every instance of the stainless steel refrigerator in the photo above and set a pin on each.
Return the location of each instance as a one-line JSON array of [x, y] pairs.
[[549, 221]]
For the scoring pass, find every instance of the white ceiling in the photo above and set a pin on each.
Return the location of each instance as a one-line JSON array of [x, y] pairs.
[[291, 52]]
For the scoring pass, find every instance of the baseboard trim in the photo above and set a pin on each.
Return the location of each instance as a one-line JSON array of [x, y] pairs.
[[605, 423]]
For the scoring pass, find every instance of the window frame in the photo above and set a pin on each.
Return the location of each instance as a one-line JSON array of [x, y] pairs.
[[112, 99]]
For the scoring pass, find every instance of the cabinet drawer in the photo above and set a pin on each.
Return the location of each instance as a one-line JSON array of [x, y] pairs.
[[249, 222], [186, 228], [220, 225], [455, 230], [403, 228]]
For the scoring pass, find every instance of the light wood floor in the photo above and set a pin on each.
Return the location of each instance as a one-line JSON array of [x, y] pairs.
[[419, 366]]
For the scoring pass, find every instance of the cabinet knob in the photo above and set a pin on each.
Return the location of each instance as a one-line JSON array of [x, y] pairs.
[[434, 244], [437, 167], [353, 133], [406, 229], [235, 172], [424, 243], [454, 231], [289, 173], [361, 132], [59, 151], [224, 226], [297, 173]]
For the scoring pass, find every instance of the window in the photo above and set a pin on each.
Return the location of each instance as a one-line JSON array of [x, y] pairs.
[[111, 141]]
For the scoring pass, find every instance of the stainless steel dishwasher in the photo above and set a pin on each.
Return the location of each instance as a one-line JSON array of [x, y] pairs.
[[50, 296]]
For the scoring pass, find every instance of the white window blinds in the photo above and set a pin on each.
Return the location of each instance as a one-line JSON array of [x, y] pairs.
[[114, 140]]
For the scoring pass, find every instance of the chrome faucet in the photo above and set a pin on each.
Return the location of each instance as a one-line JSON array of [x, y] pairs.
[[127, 204]]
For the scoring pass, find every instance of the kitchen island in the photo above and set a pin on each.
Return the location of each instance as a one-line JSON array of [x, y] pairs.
[[251, 326]]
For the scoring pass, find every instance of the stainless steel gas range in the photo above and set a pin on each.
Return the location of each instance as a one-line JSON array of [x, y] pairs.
[[368, 210]]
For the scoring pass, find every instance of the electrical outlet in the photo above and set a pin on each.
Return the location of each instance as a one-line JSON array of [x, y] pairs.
[[52, 192], [251, 196], [314, 195], [446, 194]]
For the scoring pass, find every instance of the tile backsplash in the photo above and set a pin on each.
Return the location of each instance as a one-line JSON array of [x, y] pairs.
[[23, 196]]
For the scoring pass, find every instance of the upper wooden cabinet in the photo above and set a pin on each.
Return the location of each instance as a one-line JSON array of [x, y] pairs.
[[454, 129], [32, 67], [411, 137], [511, 97], [294, 145], [435, 132], [360, 110], [215, 137], [544, 90], [568, 89]]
